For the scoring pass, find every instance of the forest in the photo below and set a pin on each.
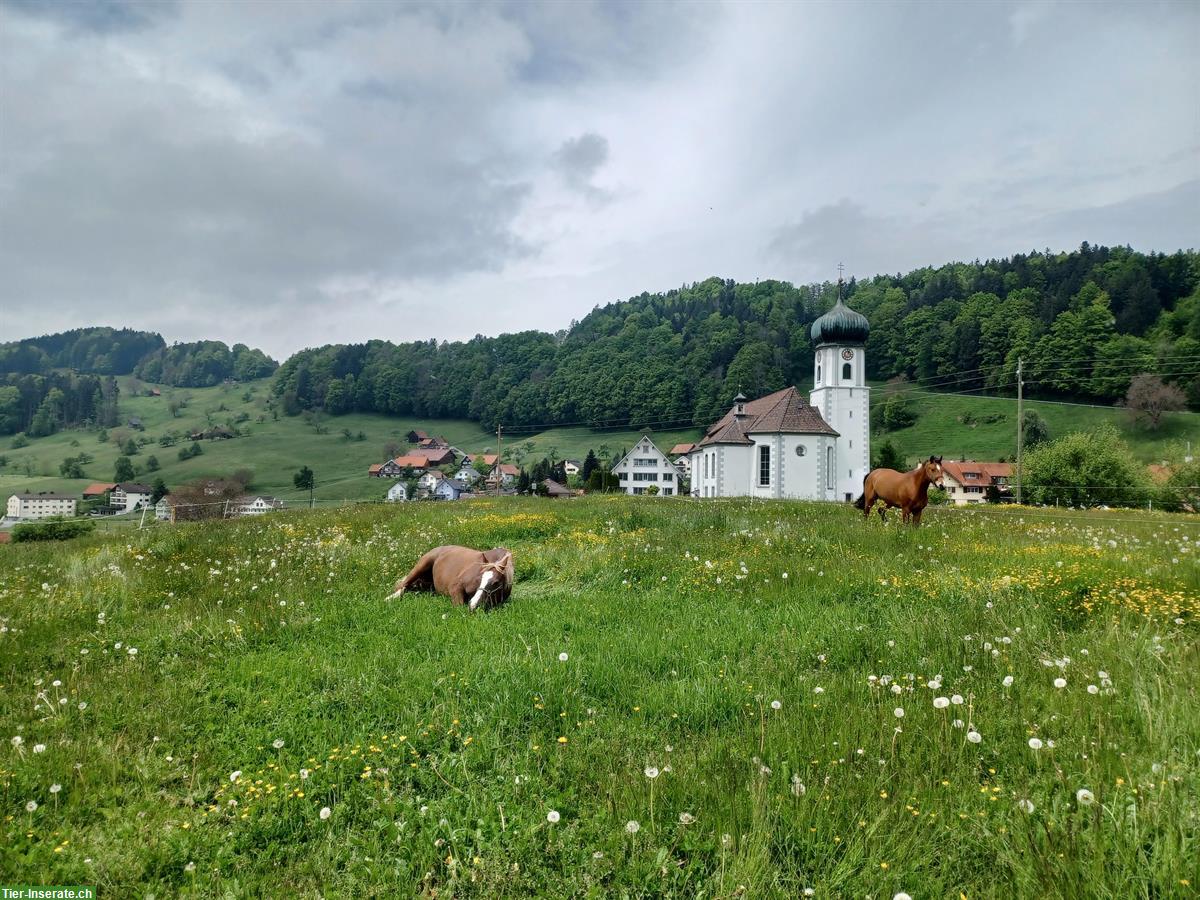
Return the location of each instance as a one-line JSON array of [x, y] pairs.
[[1085, 323]]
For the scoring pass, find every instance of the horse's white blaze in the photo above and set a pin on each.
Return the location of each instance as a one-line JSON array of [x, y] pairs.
[[488, 575]]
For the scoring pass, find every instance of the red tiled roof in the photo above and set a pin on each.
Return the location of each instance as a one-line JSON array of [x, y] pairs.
[[436, 455], [507, 469], [100, 487], [375, 468], [681, 449], [971, 472], [413, 461], [782, 411], [489, 459]]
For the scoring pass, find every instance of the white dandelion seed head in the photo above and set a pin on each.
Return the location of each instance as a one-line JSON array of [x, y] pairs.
[[956, 699], [941, 702], [686, 818], [235, 775], [1035, 743], [632, 827], [563, 657], [56, 683], [775, 704], [552, 816], [1092, 689], [1026, 806], [898, 712], [1008, 680], [1060, 682], [17, 740], [31, 806], [190, 867], [974, 737], [1084, 797], [651, 771], [818, 690], [900, 895], [55, 788], [896, 689], [277, 743], [326, 812]]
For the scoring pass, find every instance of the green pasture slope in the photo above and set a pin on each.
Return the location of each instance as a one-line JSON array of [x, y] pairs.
[[724, 698], [958, 426]]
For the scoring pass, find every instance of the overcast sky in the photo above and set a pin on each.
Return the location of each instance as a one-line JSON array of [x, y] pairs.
[[290, 174]]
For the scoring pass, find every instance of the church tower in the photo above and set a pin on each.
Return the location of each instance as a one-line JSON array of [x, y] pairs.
[[841, 395]]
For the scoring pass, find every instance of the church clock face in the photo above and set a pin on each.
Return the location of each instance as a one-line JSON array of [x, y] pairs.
[[847, 353]]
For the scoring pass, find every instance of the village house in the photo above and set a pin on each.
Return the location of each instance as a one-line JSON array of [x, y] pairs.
[[164, 509], [130, 495], [489, 459], [556, 491], [398, 493], [40, 506], [435, 456], [967, 481], [395, 468], [572, 466], [97, 490], [449, 489], [679, 455], [466, 474], [433, 443], [429, 481], [257, 504], [506, 473], [136, 423], [646, 466], [416, 436], [783, 446]]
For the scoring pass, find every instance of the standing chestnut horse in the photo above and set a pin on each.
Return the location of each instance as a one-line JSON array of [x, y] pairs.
[[907, 490]]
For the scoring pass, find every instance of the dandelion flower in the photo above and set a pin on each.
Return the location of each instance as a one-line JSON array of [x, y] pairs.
[[1035, 743], [132, 651], [17, 740], [277, 743], [190, 867], [1085, 797], [1060, 682], [818, 690], [900, 895], [562, 657], [55, 788], [553, 816], [686, 818], [775, 704], [898, 712], [956, 699], [234, 776], [31, 806], [1008, 680], [1092, 689], [941, 702], [82, 706], [651, 771], [303, 774], [798, 787], [632, 827], [39, 748], [326, 812], [1026, 806], [974, 736]]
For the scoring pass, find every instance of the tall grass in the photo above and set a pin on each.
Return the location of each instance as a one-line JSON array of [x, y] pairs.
[[754, 654]]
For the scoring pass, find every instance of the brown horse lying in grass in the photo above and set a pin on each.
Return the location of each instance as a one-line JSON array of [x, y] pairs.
[[483, 576], [907, 490]]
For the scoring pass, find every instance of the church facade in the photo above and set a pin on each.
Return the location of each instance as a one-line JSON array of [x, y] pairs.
[[786, 446]]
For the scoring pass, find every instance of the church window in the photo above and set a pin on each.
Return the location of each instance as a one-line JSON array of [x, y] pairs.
[[829, 468], [818, 373], [801, 449], [764, 466], [852, 445], [846, 371]]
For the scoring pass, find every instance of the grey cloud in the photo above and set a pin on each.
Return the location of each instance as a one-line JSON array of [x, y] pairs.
[[578, 160], [102, 16]]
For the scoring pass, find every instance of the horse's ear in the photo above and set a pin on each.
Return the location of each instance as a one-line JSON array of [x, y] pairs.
[[931, 459], [939, 460]]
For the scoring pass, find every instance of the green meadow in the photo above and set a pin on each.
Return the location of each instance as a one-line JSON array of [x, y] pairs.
[[720, 699]]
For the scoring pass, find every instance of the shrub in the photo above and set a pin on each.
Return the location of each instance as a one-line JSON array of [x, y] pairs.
[[52, 530]]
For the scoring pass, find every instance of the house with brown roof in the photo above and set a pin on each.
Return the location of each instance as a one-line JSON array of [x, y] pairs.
[[436, 456], [777, 446], [556, 491], [679, 455], [416, 436], [97, 489], [506, 473], [967, 481]]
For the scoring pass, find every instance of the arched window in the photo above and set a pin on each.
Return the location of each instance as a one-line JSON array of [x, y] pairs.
[[818, 373], [846, 376], [829, 468]]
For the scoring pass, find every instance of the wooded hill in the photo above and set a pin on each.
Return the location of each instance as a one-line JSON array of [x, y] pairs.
[[1085, 322]]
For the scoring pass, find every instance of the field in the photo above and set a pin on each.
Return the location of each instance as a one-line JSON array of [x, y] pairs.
[[729, 698]]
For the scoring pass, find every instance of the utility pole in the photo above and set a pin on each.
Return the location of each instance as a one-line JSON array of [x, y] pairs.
[[1020, 422], [499, 459]]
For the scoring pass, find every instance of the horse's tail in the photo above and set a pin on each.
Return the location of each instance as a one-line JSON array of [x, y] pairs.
[[861, 502]]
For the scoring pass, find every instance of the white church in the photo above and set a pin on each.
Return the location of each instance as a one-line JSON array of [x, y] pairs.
[[782, 446]]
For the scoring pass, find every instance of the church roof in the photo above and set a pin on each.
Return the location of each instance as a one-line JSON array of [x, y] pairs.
[[841, 325], [783, 411]]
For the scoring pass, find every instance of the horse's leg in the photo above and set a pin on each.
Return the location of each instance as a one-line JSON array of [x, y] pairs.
[[422, 571], [916, 517], [883, 508], [868, 500]]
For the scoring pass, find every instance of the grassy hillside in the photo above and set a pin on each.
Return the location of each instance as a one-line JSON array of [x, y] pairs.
[[719, 699], [275, 448], [985, 428]]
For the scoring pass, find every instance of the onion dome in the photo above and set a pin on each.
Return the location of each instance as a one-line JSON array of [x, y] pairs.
[[841, 325]]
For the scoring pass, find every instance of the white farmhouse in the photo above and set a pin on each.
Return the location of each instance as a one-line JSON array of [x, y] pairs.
[[397, 493], [130, 495], [645, 466], [467, 474], [785, 447], [40, 506], [256, 505]]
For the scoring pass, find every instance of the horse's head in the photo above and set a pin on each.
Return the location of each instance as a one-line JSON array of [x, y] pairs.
[[495, 581], [933, 470]]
